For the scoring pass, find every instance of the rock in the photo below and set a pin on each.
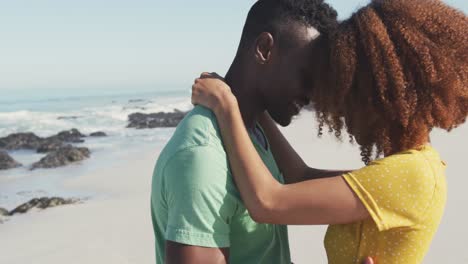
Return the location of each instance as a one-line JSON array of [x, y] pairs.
[[161, 119], [141, 108], [4, 212], [7, 162], [20, 141], [61, 157], [60, 153], [42, 203], [49, 145], [56, 142], [71, 136], [136, 100], [68, 117], [31, 141], [98, 134]]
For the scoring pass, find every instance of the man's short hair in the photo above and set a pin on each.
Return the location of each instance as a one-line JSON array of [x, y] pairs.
[[272, 15]]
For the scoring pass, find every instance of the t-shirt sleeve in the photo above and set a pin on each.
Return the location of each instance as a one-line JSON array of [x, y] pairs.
[[199, 198], [397, 191]]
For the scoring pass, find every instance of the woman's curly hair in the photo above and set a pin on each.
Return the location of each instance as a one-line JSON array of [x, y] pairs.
[[396, 69]]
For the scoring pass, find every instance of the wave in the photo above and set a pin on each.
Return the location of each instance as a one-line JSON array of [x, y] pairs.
[[110, 117]]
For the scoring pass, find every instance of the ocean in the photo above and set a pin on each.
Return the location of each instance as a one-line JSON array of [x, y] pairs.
[[47, 115]]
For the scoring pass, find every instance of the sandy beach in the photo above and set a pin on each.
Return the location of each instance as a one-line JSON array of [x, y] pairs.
[[116, 227]]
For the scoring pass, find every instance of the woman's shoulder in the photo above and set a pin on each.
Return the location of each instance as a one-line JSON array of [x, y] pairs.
[[422, 159], [412, 170], [416, 171], [408, 182]]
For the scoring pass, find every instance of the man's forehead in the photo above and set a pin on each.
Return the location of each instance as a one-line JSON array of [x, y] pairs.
[[300, 33], [312, 33]]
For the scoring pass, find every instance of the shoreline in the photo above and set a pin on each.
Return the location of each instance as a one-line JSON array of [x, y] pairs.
[[103, 229]]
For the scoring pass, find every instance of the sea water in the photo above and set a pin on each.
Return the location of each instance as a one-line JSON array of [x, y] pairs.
[[47, 115]]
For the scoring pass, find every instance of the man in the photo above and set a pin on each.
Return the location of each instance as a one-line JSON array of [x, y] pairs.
[[197, 213]]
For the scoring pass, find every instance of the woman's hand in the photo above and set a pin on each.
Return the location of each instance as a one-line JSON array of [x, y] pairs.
[[211, 91]]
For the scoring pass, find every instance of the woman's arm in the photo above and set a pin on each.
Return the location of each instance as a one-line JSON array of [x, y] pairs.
[[291, 164], [321, 201]]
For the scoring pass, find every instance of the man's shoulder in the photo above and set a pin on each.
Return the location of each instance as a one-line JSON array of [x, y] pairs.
[[200, 118], [194, 157], [198, 130]]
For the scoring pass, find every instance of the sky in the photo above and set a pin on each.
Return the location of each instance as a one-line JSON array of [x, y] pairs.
[[95, 45]]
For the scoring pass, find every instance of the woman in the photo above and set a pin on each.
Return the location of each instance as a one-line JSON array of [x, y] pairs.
[[393, 71]]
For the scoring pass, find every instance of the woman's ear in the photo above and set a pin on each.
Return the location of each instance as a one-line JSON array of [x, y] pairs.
[[264, 47]]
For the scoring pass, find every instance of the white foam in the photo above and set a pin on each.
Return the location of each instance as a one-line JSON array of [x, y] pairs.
[[111, 118]]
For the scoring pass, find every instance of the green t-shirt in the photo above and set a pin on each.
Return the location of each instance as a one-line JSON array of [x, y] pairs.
[[194, 200]]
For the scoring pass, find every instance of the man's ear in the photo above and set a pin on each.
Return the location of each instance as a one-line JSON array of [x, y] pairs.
[[264, 47]]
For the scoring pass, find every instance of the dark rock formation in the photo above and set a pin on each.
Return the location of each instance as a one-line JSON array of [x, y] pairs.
[[161, 119], [71, 136], [136, 100], [60, 153], [49, 145], [34, 142], [58, 141], [98, 134], [20, 141], [61, 157], [42, 203], [136, 108], [7, 162], [68, 117], [4, 212]]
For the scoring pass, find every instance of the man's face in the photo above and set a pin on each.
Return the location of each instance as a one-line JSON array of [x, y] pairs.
[[285, 87]]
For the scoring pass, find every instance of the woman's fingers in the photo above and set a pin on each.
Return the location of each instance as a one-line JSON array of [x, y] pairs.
[[209, 90], [214, 75], [217, 76], [205, 75], [197, 92], [369, 260]]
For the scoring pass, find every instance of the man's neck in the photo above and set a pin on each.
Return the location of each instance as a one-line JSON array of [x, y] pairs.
[[249, 105]]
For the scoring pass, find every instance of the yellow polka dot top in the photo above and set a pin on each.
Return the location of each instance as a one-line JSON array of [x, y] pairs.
[[405, 195]]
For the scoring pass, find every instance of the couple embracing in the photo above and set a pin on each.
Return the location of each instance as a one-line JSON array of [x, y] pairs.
[[228, 183]]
